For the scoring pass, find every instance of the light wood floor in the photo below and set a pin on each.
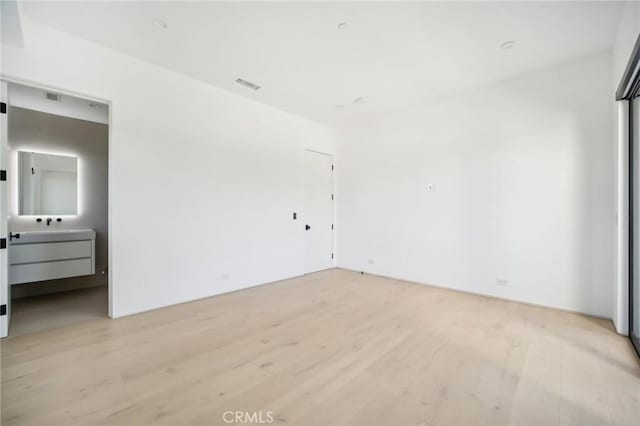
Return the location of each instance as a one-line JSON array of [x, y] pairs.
[[330, 348], [39, 313]]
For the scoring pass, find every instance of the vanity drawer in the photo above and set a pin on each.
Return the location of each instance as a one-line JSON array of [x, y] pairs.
[[45, 252], [30, 272]]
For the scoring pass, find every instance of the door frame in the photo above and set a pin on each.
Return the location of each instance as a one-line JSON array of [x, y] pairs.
[[333, 203], [629, 89], [631, 224], [78, 94], [5, 294]]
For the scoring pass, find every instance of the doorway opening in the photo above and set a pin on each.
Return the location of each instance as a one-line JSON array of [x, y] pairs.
[[55, 154]]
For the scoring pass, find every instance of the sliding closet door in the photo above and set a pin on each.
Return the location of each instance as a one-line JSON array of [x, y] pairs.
[[634, 299]]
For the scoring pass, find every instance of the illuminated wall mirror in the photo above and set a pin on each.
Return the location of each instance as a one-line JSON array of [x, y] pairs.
[[48, 184]]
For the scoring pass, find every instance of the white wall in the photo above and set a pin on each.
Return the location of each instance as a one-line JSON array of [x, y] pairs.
[[524, 177], [626, 37], [203, 183], [628, 31]]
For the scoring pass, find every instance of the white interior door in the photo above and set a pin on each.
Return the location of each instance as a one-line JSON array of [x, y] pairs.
[[318, 211], [4, 212]]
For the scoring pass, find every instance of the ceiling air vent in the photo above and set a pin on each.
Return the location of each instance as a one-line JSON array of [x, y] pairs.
[[53, 97], [248, 84]]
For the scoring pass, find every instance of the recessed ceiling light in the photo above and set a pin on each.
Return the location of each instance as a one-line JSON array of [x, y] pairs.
[[160, 23], [342, 25], [248, 84], [507, 44], [358, 100]]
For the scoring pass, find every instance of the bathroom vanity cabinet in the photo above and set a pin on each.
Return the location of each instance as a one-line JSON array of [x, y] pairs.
[[49, 255]]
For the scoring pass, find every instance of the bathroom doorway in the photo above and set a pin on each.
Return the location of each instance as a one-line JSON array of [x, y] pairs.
[[55, 257]]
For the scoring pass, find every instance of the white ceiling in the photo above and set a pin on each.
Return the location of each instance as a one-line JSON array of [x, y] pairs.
[[66, 106], [391, 54]]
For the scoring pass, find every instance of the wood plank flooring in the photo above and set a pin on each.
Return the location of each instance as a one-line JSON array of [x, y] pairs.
[[331, 348], [44, 312]]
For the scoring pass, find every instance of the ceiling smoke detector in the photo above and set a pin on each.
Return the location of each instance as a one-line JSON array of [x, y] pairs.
[[342, 25], [358, 100], [507, 44], [160, 23], [248, 84], [53, 96]]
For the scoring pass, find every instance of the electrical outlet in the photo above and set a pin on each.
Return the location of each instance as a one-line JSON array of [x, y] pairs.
[[502, 282]]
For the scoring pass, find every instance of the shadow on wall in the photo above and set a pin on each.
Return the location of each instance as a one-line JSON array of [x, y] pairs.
[[11, 24]]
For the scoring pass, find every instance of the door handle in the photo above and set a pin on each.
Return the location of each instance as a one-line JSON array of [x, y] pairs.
[[12, 236], [307, 227]]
